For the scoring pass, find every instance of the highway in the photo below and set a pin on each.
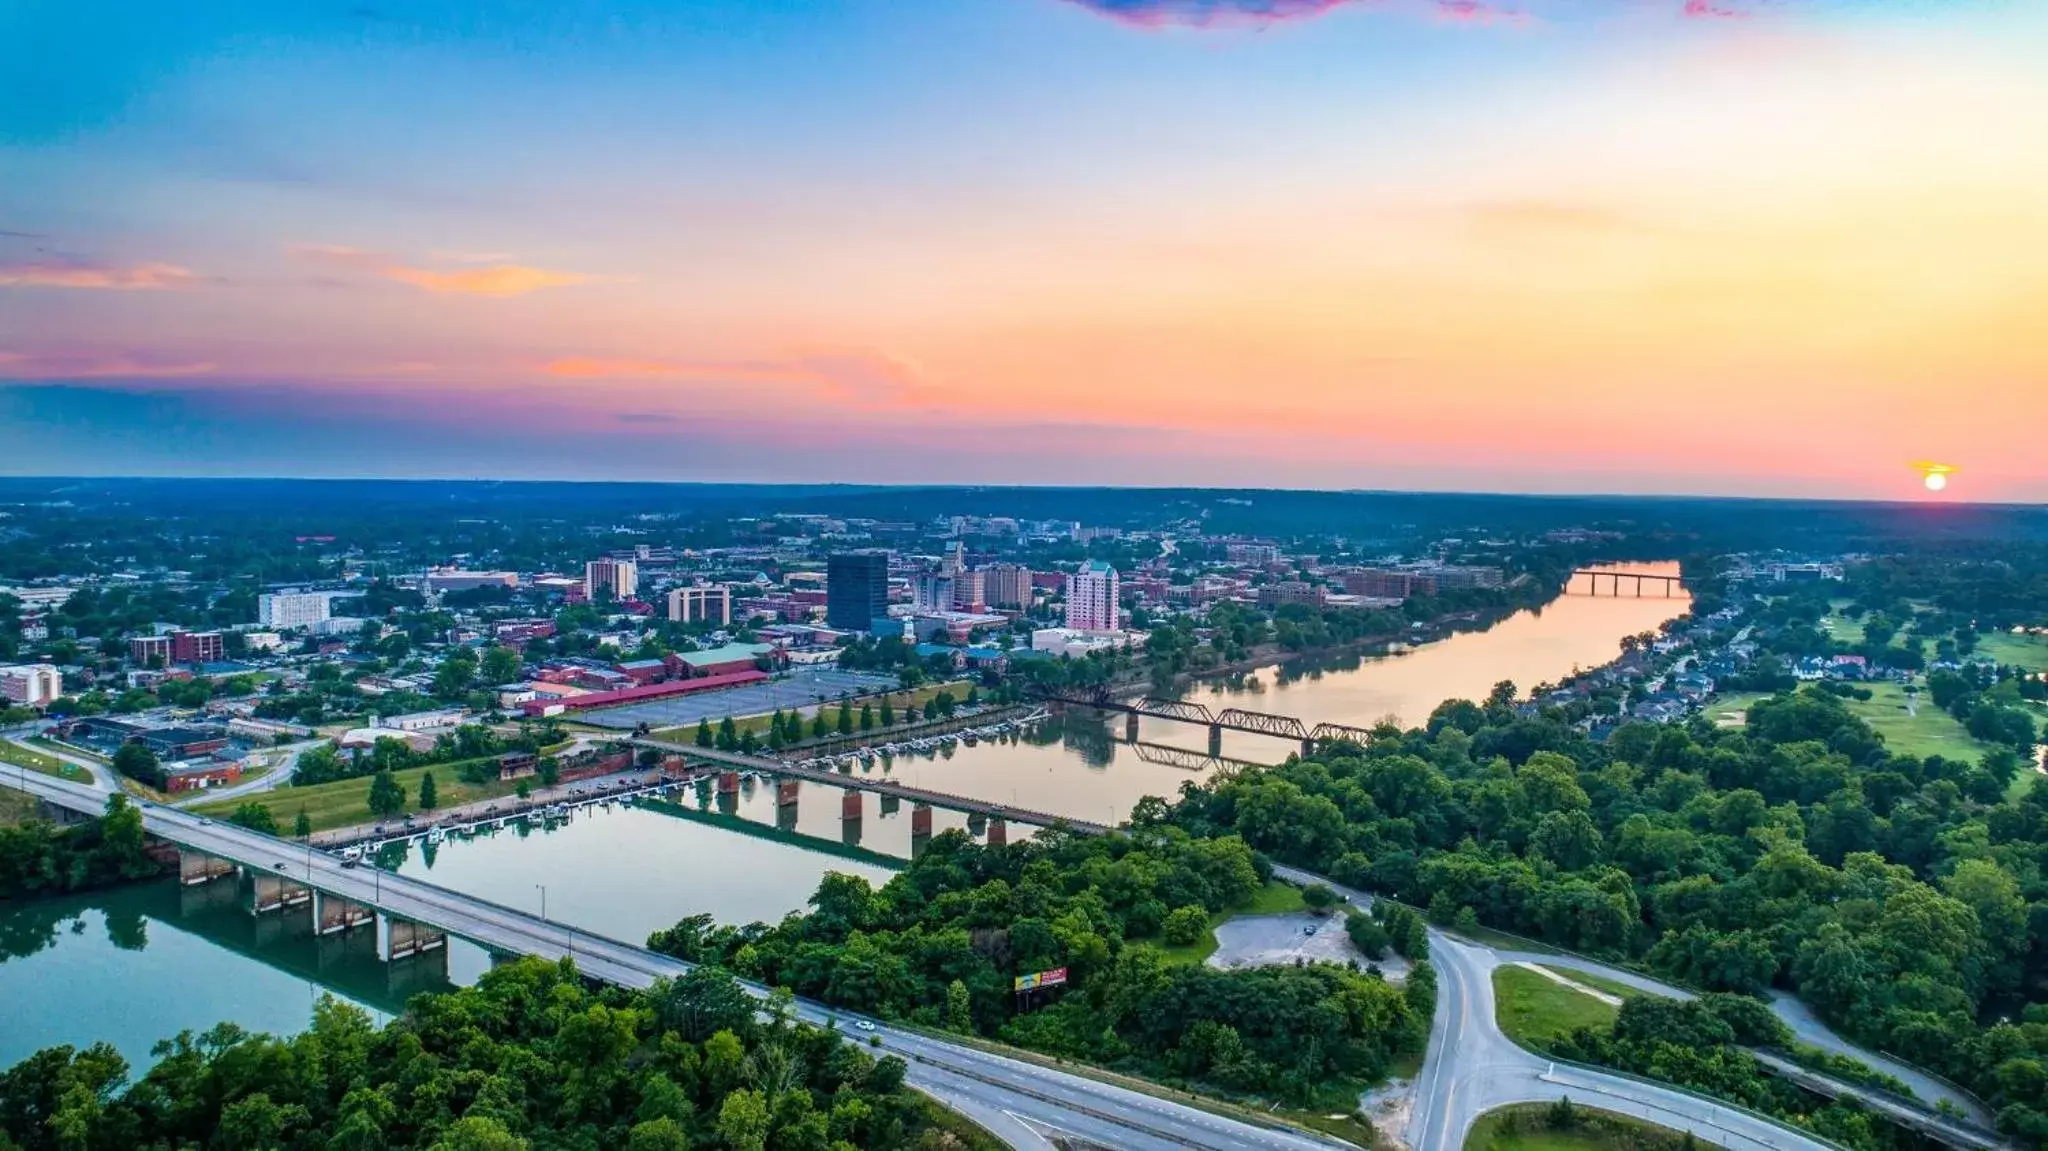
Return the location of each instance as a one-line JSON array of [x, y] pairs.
[[1473, 1067], [1025, 1103]]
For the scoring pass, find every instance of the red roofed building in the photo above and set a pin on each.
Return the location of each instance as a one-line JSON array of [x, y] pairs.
[[641, 693]]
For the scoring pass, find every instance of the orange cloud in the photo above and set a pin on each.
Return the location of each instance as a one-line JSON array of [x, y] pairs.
[[499, 280], [141, 277]]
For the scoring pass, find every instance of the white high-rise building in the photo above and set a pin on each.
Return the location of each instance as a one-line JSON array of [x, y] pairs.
[[619, 577], [30, 685], [932, 592], [291, 609], [1092, 598]]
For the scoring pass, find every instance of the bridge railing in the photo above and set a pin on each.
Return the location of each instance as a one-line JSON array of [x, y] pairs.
[[1718, 1101]]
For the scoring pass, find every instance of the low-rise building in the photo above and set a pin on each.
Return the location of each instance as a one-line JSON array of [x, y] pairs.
[[424, 720]]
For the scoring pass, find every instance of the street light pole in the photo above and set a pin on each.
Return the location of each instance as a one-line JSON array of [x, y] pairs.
[[543, 901]]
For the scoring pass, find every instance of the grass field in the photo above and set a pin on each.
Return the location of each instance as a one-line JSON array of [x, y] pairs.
[[1931, 732], [1526, 1128], [1534, 1010], [15, 755], [1732, 709], [1844, 630], [346, 802], [2027, 651], [1276, 898], [1599, 982]]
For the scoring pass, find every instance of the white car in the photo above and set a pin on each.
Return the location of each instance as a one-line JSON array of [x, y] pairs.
[[863, 1025]]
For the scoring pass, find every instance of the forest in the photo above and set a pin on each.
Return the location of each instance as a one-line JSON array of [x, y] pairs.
[[1903, 898], [940, 944], [529, 1058]]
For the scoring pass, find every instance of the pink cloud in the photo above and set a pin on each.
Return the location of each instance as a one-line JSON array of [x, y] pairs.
[[138, 278], [1204, 13], [64, 366], [854, 376]]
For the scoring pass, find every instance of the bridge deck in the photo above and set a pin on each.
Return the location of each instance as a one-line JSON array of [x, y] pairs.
[[879, 786]]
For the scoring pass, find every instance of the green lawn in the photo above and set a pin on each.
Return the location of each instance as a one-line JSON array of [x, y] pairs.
[[1535, 1010], [1843, 630], [1276, 898], [1731, 709], [2027, 651], [15, 755], [1931, 732], [1527, 1128], [1599, 982], [346, 802]]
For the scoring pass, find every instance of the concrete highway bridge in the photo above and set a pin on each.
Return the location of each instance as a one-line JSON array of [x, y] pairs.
[[1026, 1104], [923, 800]]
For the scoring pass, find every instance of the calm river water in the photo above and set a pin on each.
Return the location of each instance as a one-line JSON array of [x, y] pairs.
[[136, 965]]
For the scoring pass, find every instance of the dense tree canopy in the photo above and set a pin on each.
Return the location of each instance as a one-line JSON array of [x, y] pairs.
[[528, 1058]]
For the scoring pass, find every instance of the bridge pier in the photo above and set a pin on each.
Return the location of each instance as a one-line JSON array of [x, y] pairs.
[[1308, 749], [851, 809], [1215, 740], [402, 938], [333, 914], [786, 793], [1131, 727], [920, 828], [58, 814], [195, 867], [269, 892], [425, 971], [998, 832], [977, 823]]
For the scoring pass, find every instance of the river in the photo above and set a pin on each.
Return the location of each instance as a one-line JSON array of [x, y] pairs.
[[138, 964]]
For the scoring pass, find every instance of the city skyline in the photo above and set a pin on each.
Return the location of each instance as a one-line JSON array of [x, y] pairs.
[[1579, 246]]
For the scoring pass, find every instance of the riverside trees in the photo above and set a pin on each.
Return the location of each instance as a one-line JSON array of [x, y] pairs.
[[528, 1058]]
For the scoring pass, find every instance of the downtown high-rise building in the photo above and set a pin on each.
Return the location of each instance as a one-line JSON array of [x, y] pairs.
[[621, 578], [1006, 585], [856, 590], [1092, 598]]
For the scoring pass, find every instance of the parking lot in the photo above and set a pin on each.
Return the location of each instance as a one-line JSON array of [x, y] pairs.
[[802, 688]]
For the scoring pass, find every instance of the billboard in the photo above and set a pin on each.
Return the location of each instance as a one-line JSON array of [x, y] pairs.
[[1038, 979]]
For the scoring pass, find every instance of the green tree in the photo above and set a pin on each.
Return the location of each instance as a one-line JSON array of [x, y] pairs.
[[704, 736], [867, 717], [888, 713], [427, 797], [255, 817], [138, 763], [500, 666], [1184, 926], [845, 724], [302, 825], [387, 796], [959, 1007], [743, 1121]]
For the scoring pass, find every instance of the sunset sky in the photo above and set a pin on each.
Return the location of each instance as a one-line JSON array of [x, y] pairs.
[[1781, 247]]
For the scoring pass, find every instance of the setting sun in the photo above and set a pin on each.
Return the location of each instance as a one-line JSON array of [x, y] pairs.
[[1934, 475]]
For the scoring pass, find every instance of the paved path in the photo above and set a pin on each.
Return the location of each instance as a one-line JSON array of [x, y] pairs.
[[276, 777], [1020, 1100]]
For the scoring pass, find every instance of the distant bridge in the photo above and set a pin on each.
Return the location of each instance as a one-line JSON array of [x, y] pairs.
[[1668, 585], [923, 799], [1227, 719]]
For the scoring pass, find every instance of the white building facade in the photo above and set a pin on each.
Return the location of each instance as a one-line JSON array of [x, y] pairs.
[[292, 609], [1092, 598], [30, 685]]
